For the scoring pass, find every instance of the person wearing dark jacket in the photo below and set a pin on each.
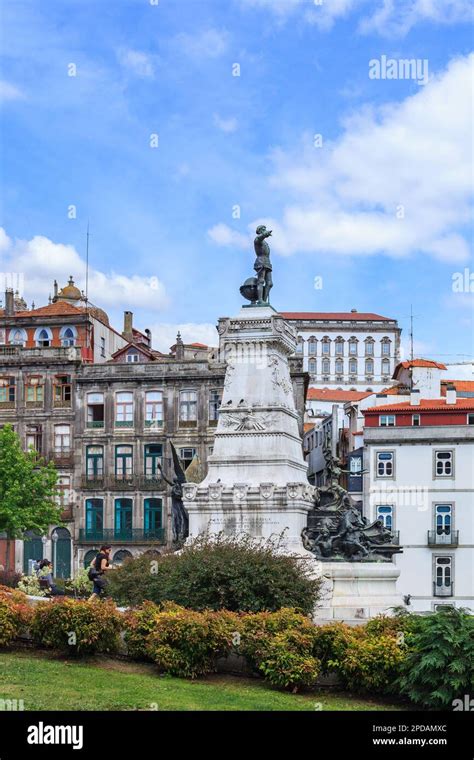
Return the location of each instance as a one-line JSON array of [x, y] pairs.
[[97, 570]]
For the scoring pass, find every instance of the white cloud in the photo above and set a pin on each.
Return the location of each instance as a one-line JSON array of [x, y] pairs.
[[226, 125], [164, 334], [9, 92], [386, 17], [224, 235], [407, 159], [39, 261], [209, 43], [137, 62]]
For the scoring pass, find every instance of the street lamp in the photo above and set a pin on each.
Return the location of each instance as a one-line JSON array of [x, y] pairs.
[[55, 541]]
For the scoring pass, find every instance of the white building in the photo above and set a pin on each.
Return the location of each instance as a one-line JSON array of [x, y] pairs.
[[418, 457], [347, 350]]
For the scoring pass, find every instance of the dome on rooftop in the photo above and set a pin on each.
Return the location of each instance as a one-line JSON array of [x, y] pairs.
[[70, 292]]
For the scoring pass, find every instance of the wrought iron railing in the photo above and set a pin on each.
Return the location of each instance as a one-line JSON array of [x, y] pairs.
[[443, 539], [122, 536]]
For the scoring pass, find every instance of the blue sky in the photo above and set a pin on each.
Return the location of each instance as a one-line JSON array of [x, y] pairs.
[[379, 210]]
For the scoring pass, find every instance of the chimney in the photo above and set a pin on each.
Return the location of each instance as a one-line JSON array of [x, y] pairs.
[[9, 303], [450, 394], [179, 353], [55, 288], [128, 325], [148, 335], [414, 398]]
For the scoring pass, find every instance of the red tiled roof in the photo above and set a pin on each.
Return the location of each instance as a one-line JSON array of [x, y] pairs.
[[60, 308], [420, 363], [308, 426], [328, 394], [196, 345], [357, 316], [425, 405], [460, 385]]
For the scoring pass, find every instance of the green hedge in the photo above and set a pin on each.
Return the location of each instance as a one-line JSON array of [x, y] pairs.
[[237, 574]]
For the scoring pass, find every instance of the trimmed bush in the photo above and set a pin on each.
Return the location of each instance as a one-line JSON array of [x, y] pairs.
[[15, 616], [77, 627], [187, 643], [439, 667], [238, 574], [280, 646], [139, 623], [371, 664]]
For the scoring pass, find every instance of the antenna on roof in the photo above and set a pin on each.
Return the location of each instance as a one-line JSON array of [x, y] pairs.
[[87, 264], [411, 332]]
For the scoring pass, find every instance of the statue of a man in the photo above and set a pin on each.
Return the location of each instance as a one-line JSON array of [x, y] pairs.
[[263, 266]]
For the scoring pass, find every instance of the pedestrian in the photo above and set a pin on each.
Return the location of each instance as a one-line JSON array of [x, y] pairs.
[[97, 570], [45, 577]]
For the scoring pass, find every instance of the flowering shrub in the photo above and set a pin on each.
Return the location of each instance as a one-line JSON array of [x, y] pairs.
[[15, 616], [139, 623], [77, 627], [30, 585], [371, 663], [188, 643]]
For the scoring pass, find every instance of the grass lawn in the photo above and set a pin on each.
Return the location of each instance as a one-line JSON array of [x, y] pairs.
[[48, 682]]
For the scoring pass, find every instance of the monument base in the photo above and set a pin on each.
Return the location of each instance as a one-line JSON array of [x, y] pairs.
[[355, 592]]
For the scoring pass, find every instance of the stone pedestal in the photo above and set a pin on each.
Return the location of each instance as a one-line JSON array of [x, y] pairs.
[[354, 592], [256, 482]]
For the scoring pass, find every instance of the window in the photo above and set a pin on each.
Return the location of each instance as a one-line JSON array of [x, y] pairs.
[[385, 347], [312, 366], [18, 337], [132, 358], [95, 462], [188, 406], [443, 464], [385, 365], [34, 394], [153, 518], [68, 336], [326, 346], [65, 493], [124, 410], [326, 366], [470, 419], [102, 346], [43, 337], [387, 420], [123, 462], [443, 576], [369, 366], [123, 519], [369, 347], [339, 346], [384, 513], [94, 518], [7, 391], [62, 439], [384, 464], [187, 455], [62, 391], [153, 457], [300, 345], [312, 346], [353, 347], [34, 437], [121, 556], [443, 519], [215, 398], [353, 366], [355, 465], [339, 366], [153, 409], [95, 410], [415, 420]]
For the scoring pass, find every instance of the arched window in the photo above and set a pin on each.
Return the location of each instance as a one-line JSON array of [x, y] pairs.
[[312, 346], [312, 366], [43, 337], [339, 366], [121, 556], [88, 557], [369, 366], [68, 336], [18, 337]]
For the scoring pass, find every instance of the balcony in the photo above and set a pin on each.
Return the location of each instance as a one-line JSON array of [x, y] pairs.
[[122, 482], [152, 483], [444, 590], [443, 539], [20, 354], [67, 514], [95, 424], [93, 484], [126, 536], [62, 457]]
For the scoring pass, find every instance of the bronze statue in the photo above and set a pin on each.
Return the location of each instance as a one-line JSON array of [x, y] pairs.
[[179, 515], [263, 265]]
